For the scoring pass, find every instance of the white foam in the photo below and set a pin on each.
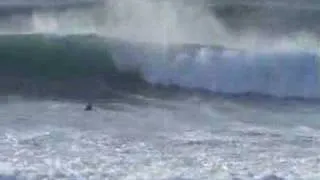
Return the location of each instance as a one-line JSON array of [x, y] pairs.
[[285, 73], [6, 169], [185, 142]]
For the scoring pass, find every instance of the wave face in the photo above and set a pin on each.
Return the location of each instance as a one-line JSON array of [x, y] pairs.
[[212, 68], [52, 57]]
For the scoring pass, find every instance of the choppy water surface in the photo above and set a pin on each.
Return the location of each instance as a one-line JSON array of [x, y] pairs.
[[159, 139]]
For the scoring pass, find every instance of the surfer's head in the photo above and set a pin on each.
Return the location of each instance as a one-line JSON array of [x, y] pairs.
[[88, 107]]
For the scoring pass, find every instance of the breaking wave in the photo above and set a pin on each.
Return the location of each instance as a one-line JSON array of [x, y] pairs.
[[191, 66]]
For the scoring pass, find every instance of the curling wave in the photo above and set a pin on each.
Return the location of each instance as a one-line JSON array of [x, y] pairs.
[[216, 69]]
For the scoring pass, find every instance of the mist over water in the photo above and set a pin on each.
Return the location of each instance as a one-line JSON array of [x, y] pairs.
[[233, 26]]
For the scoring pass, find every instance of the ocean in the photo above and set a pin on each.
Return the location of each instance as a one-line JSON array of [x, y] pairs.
[[178, 93]]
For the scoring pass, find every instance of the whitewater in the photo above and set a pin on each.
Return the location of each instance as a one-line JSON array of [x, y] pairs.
[[217, 90]]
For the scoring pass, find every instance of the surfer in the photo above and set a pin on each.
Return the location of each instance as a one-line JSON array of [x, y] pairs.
[[88, 107]]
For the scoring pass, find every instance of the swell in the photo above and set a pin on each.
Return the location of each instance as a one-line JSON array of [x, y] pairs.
[[89, 65]]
